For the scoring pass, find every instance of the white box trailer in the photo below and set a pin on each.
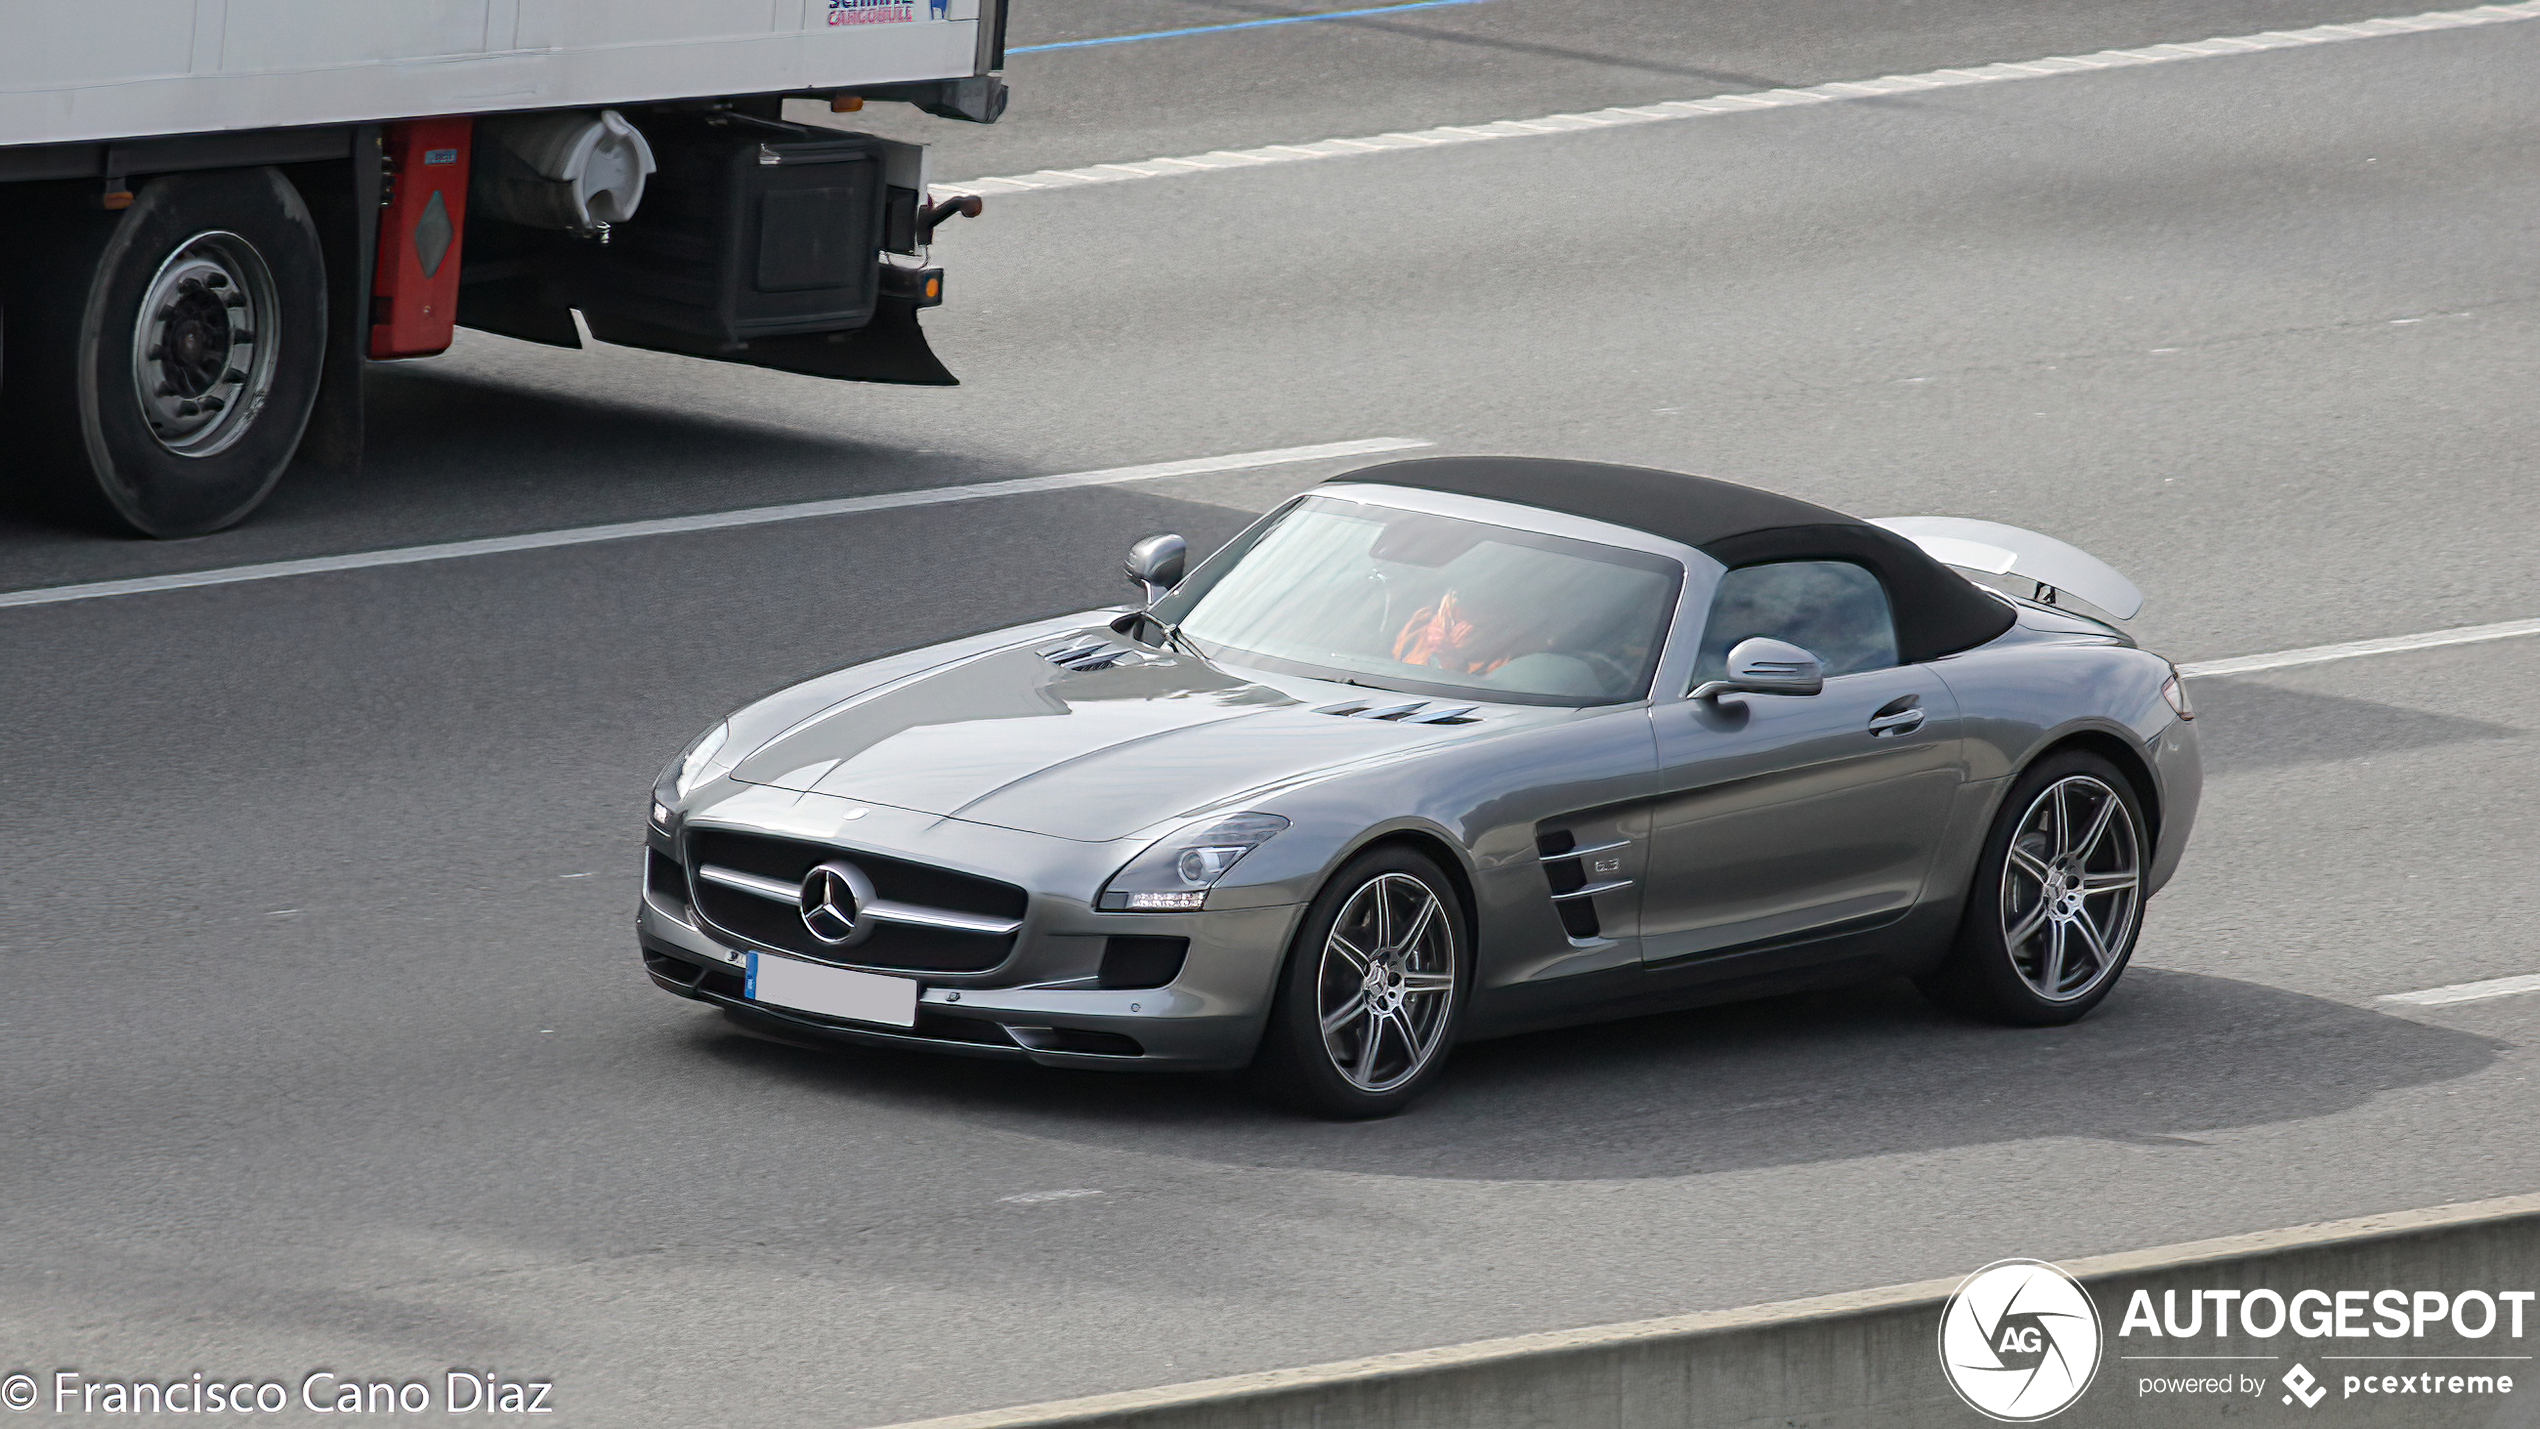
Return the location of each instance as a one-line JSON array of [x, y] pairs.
[[214, 214]]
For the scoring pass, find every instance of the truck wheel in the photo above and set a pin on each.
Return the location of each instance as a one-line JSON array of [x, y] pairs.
[[195, 348]]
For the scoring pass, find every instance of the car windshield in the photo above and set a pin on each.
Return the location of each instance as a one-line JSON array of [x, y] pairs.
[[1426, 604]]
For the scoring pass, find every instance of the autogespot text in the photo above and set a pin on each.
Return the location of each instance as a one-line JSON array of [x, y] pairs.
[[2480, 1334]]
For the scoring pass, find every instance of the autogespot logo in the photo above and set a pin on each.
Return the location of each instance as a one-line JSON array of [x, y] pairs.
[[2019, 1341]]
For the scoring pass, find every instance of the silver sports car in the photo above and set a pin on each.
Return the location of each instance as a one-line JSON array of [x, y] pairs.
[[1446, 749]]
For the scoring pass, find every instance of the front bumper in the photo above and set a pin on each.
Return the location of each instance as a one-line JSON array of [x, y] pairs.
[[1041, 1004], [1165, 1029]]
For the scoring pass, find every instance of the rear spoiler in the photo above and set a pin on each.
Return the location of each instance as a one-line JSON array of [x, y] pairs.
[[1995, 549]]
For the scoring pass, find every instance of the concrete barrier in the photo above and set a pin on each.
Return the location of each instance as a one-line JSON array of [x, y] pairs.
[[1870, 1357]]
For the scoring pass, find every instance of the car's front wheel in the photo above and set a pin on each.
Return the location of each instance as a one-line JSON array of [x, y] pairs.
[[1373, 990], [2057, 900]]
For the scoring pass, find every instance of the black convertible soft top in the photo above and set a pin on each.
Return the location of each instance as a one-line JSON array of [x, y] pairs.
[[1938, 611]]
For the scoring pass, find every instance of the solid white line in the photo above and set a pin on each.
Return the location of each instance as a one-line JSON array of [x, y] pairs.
[[1671, 110], [2321, 654], [711, 521], [2468, 991]]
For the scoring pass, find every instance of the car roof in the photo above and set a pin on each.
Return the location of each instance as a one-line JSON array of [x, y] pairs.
[[1938, 611], [1688, 510]]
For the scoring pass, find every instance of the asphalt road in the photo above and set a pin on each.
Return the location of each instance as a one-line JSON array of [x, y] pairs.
[[326, 1043]]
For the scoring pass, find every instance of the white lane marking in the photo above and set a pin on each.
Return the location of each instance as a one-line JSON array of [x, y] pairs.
[[2321, 654], [710, 521], [1033, 1198], [2468, 991], [1734, 103]]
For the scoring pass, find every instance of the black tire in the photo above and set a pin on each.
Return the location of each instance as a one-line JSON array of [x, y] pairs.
[[147, 430], [1997, 972], [1298, 1065]]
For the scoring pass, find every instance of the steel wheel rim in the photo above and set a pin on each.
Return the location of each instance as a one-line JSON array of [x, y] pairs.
[[206, 344], [2071, 888], [1385, 990]]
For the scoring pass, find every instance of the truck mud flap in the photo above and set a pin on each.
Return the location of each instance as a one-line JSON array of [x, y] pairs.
[[891, 348]]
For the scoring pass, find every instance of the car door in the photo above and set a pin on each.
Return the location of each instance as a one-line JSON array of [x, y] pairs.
[[1784, 818]]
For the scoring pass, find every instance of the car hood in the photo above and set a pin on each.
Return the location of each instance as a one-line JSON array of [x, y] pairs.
[[1011, 738]]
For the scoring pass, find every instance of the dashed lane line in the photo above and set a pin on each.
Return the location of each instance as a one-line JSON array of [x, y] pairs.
[[2467, 991], [1675, 109], [709, 521], [2352, 649]]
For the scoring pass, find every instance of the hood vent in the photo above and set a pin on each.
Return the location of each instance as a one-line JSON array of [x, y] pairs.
[[1090, 653], [1405, 712]]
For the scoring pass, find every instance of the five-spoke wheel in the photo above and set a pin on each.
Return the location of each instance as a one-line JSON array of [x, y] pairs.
[[2057, 897], [1388, 982], [2071, 887], [1373, 989]]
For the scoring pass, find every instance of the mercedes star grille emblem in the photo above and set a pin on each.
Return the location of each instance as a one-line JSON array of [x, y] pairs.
[[834, 894]]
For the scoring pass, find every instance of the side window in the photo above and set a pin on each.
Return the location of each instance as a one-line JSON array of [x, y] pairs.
[[1834, 610]]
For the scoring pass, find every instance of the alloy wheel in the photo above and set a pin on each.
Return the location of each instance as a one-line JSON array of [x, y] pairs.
[[1385, 992], [2071, 888]]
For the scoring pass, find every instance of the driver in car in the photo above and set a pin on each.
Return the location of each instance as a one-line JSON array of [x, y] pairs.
[[1468, 637]]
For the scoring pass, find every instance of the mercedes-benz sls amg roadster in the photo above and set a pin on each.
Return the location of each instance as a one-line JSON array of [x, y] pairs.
[[1440, 750]]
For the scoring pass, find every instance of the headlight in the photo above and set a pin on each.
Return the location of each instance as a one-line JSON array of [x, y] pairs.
[[691, 767], [1176, 872]]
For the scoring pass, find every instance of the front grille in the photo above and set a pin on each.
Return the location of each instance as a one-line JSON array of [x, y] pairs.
[[907, 947]]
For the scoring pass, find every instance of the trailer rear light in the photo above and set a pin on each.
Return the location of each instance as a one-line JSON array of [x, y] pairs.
[[918, 287]]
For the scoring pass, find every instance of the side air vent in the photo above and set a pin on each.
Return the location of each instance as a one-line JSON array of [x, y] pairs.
[[1565, 868], [666, 881], [1405, 712], [1090, 653]]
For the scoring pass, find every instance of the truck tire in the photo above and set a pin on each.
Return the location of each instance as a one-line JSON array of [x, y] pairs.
[[175, 364]]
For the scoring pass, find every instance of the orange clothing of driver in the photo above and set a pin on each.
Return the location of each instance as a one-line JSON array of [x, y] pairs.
[[1437, 636]]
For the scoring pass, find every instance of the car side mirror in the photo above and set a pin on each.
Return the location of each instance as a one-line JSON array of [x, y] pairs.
[[1759, 666], [1156, 563]]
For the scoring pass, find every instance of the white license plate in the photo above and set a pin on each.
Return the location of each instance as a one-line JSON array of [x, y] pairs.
[[832, 992]]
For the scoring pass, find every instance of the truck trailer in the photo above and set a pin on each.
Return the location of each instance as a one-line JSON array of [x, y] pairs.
[[215, 215]]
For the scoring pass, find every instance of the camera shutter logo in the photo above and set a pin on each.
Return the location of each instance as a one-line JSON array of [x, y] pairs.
[[2019, 1341]]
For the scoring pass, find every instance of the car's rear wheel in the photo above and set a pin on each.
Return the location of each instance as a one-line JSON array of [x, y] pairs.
[[2057, 900], [1373, 990]]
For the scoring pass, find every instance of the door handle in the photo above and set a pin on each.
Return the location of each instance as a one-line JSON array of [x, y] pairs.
[[1897, 717]]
